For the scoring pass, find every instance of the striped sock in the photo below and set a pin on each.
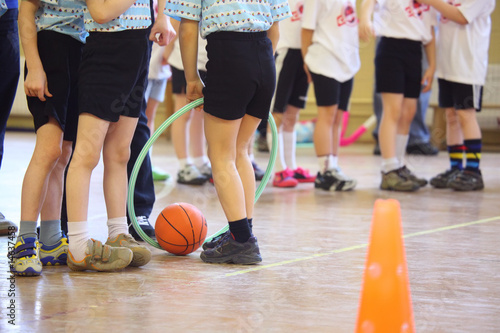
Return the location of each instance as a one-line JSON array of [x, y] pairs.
[[472, 154], [456, 153]]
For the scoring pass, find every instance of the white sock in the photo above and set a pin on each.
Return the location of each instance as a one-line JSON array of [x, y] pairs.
[[401, 142], [200, 161], [184, 161], [290, 143], [323, 163], [280, 161], [389, 164], [333, 162], [116, 226], [78, 236]]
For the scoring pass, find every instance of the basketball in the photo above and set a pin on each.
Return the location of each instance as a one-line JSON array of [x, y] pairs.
[[180, 228]]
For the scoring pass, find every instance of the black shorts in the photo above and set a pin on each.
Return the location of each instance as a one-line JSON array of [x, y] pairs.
[[179, 80], [460, 96], [398, 67], [292, 81], [60, 55], [241, 75], [114, 74], [330, 92]]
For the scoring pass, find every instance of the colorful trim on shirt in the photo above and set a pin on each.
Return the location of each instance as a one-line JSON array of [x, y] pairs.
[[62, 16], [138, 16]]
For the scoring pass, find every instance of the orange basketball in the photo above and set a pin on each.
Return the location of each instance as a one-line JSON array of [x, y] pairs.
[[180, 228]]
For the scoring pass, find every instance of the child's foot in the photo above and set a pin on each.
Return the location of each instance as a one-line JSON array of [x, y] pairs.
[[190, 175], [411, 176], [395, 180], [334, 180], [442, 180], [159, 174], [230, 251], [303, 175], [467, 180], [99, 257], [259, 173], [284, 178], [215, 241], [25, 257], [53, 255], [142, 255]]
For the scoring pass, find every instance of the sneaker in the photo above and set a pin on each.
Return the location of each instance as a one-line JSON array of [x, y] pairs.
[[102, 258], [259, 173], [25, 257], [142, 255], [395, 180], [54, 255], [190, 175], [303, 175], [262, 145], [425, 148], [467, 180], [206, 170], [442, 180], [285, 179], [159, 174], [230, 251], [145, 226], [334, 180], [7, 227], [215, 241], [411, 176]]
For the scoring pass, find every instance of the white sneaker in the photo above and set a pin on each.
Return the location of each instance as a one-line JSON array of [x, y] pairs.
[[190, 175], [206, 170], [334, 180]]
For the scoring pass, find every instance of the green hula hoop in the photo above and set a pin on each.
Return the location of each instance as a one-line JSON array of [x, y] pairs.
[[145, 151]]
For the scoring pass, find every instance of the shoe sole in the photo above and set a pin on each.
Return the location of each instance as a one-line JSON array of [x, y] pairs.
[[390, 188], [234, 259], [192, 182], [465, 189], [28, 272], [312, 180], [54, 261]]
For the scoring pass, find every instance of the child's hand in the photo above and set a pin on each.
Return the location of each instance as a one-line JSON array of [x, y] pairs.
[[427, 79], [424, 2], [365, 30], [162, 32], [194, 91], [36, 85]]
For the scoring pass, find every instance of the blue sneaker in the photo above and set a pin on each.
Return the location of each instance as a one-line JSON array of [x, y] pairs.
[[54, 255], [25, 257]]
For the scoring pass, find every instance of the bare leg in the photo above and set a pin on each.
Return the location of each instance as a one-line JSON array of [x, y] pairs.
[[151, 109], [454, 135], [324, 130], [336, 132], [179, 129], [197, 135], [388, 130]]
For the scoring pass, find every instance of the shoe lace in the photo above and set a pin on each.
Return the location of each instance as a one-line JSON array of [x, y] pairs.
[[142, 220]]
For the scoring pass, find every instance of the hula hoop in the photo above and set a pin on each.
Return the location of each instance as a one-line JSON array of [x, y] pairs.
[[145, 151]]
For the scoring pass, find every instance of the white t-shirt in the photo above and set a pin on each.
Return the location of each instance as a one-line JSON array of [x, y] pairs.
[[175, 58], [334, 51], [156, 69], [290, 28], [462, 50], [404, 19]]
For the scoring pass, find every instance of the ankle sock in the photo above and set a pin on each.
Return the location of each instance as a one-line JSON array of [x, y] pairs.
[[27, 229], [50, 232], [116, 226], [78, 236], [240, 230], [456, 154]]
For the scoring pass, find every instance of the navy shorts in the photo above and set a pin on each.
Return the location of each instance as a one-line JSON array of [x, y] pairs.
[[330, 92], [179, 80], [60, 55], [398, 67], [460, 96], [292, 81], [241, 75], [114, 74]]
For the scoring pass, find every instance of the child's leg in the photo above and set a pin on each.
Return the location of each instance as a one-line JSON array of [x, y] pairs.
[[336, 132], [196, 135], [392, 104], [290, 118], [151, 108], [323, 135], [472, 138], [280, 161], [408, 113]]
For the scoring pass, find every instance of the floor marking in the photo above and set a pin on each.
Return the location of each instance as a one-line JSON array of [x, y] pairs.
[[355, 247]]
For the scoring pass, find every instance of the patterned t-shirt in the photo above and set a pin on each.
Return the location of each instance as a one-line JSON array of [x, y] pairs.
[[138, 16], [7, 4], [230, 15], [63, 16]]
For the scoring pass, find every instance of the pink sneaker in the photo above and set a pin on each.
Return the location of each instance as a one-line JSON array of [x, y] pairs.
[[284, 179], [303, 176]]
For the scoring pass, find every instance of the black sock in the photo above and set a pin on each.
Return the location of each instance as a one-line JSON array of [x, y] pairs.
[[240, 230], [250, 225]]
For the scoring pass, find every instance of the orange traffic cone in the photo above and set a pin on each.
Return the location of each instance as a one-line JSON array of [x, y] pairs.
[[385, 305]]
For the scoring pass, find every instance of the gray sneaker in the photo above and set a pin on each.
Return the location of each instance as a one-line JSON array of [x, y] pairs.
[[214, 241], [411, 176], [334, 180], [467, 180], [442, 180], [101, 257], [190, 175], [395, 180], [230, 251]]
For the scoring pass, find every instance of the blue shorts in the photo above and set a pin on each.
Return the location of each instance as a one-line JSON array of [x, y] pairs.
[[156, 89], [241, 75], [330, 92], [460, 96]]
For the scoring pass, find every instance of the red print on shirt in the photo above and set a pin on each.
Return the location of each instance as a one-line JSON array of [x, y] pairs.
[[297, 13], [416, 9], [347, 16]]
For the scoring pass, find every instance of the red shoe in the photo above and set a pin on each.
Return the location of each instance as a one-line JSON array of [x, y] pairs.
[[284, 179], [303, 176]]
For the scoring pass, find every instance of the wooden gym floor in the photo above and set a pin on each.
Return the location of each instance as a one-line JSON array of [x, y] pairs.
[[313, 245]]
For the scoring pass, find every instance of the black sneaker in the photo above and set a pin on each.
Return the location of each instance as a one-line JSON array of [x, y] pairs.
[[214, 241], [231, 251], [259, 173], [411, 176], [145, 226], [334, 180], [442, 180], [467, 180], [422, 149]]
